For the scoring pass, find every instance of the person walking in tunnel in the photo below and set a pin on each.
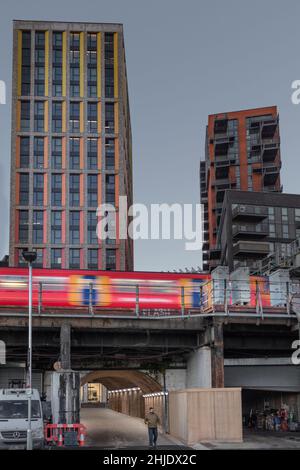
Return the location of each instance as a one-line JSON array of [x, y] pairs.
[[152, 420]]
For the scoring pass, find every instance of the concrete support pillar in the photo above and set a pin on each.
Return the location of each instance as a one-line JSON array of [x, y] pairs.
[[217, 356], [199, 368], [65, 346]]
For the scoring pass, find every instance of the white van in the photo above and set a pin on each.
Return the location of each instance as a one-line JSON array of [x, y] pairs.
[[14, 418]]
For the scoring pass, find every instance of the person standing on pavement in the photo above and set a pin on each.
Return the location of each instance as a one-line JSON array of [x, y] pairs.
[[152, 420]]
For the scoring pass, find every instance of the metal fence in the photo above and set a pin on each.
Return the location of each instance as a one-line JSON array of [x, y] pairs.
[[260, 297]]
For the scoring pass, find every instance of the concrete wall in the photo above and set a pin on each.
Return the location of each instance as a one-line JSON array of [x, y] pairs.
[[198, 414], [282, 377], [198, 372]]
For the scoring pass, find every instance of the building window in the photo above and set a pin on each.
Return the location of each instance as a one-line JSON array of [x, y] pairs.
[[56, 218], [271, 213], [74, 189], [74, 64], [57, 116], [91, 228], [38, 149], [92, 190], [56, 153], [92, 154], [74, 227], [24, 152], [110, 259], [110, 189], [109, 118], [284, 214], [297, 215], [26, 61], [110, 154], [92, 118], [39, 116], [285, 231], [92, 258], [39, 71], [23, 226], [38, 263], [74, 159], [109, 64], [272, 230], [24, 189], [56, 189], [25, 116], [38, 189], [74, 258], [74, 117], [92, 65], [57, 64], [37, 233], [56, 258]]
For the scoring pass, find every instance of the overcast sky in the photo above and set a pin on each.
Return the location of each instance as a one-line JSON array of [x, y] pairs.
[[185, 59]]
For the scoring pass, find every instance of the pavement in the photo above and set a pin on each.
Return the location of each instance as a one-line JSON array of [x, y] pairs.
[[258, 440], [107, 429]]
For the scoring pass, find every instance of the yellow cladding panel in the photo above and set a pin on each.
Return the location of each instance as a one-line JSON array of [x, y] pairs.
[[19, 64], [64, 116], [81, 65], [47, 63], [116, 66], [46, 115], [99, 65], [18, 115], [116, 112], [64, 64], [81, 117], [99, 117]]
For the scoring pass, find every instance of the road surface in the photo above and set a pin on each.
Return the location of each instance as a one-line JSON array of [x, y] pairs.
[[109, 429]]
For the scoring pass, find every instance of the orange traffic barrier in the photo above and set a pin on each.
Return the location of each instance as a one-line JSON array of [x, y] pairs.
[[54, 433]]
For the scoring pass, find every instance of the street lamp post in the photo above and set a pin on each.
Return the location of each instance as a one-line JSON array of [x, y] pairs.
[[29, 257]]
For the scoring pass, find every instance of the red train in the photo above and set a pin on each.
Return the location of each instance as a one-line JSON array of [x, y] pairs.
[[102, 289]]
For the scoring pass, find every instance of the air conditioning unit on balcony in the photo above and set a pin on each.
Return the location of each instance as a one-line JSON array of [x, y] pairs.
[[220, 277], [240, 286], [279, 287]]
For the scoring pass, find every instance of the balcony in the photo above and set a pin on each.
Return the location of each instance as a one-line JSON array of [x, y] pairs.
[[272, 189], [222, 183], [220, 126], [250, 231], [244, 249], [268, 128], [222, 172], [214, 254], [270, 151], [271, 175], [248, 212], [222, 145]]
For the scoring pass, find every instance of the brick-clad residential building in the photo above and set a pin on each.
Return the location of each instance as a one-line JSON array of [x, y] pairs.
[[243, 153], [71, 143]]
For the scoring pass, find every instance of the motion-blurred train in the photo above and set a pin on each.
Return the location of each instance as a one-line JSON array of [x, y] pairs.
[[71, 289]]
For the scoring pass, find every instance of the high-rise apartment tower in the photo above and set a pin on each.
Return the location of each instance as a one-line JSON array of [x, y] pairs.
[[243, 153], [71, 143]]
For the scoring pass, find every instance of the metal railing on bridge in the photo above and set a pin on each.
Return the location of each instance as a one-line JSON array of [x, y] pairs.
[[254, 296]]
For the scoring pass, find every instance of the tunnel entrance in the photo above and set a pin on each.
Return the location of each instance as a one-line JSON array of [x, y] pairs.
[[120, 390]]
